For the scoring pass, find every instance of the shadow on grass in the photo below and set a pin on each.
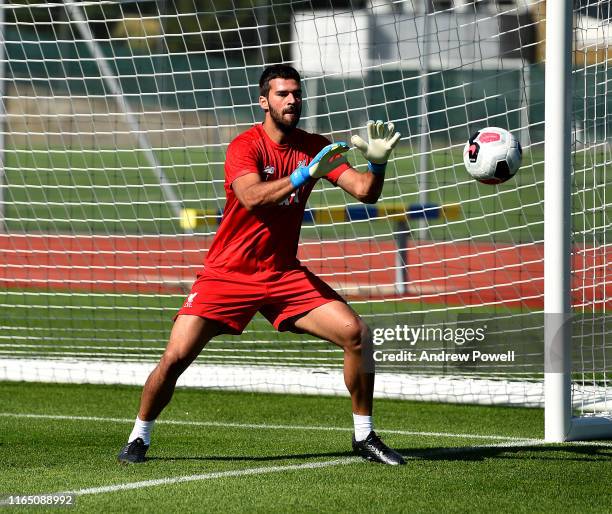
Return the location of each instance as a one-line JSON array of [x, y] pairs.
[[254, 458], [577, 453]]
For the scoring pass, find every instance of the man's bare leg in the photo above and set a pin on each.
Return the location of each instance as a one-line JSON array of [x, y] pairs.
[[188, 337], [338, 323]]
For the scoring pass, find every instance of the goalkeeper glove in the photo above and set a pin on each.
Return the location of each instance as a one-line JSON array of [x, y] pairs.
[[381, 142], [327, 160]]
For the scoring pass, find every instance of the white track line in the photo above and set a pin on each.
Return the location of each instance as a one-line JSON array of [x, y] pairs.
[[258, 426], [211, 476], [508, 442], [221, 424], [418, 455]]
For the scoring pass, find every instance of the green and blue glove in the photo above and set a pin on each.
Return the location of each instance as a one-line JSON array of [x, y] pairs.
[[326, 161], [382, 139]]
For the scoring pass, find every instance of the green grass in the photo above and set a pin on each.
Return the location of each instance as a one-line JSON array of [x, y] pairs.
[[55, 323], [104, 191], [455, 473], [116, 192]]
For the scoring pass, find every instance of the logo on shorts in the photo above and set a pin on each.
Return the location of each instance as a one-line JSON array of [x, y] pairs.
[[189, 302]]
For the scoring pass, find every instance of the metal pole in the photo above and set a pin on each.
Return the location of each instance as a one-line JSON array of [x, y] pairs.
[[3, 227], [557, 222], [313, 107], [424, 146], [114, 85], [401, 257], [264, 17], [525, 99]]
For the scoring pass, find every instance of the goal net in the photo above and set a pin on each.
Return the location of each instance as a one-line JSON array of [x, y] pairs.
[[590, 399], [115, 121]]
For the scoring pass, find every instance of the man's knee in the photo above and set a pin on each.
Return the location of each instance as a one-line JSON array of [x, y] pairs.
[[174, 362], [355, 334], [189, 336]]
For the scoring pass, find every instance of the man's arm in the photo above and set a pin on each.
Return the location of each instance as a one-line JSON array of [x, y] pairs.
[[365, 187], [253, 193]]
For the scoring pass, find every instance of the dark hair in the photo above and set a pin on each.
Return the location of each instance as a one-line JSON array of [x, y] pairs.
[[276, 71]]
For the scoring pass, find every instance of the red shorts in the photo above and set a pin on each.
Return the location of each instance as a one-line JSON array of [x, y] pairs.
[[233, 299]]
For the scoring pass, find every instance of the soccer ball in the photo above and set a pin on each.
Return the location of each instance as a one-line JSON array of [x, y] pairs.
[[492, 155]]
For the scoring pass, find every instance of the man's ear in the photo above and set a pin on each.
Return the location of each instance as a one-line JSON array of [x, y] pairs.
[[263, 103]]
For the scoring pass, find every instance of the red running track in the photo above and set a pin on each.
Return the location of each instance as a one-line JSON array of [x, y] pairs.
[[437, 272]]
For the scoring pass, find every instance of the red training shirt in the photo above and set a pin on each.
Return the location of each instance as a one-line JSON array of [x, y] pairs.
[[265, 239]]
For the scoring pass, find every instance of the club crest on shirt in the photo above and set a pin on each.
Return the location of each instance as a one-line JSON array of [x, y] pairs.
[[268, 172]]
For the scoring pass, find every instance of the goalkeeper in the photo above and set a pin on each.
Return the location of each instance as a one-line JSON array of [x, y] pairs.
[[251, 266]]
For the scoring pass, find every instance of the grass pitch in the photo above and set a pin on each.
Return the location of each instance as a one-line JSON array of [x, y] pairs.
[[237, 452], [115, 191]]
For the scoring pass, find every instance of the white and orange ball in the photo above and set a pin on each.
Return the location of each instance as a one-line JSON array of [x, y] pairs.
[[492, 155]]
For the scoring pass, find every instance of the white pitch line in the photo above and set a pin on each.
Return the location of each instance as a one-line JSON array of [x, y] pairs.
[[221, 424], [508, 442], [259, 426], [420, 455], [211, 476]]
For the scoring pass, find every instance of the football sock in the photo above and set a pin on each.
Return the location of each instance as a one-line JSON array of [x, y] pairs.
[[363, 426], [142, 429]]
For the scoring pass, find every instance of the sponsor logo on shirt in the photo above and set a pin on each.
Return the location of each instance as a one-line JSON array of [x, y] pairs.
[[293, 199]]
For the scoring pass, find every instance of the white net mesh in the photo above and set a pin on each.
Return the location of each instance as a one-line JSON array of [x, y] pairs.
[[591, 207], [117, 118]]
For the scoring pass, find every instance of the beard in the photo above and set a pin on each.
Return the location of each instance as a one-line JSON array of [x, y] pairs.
[[284, 125]]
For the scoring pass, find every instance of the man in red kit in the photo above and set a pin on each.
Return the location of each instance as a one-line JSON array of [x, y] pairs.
[[252, 267]]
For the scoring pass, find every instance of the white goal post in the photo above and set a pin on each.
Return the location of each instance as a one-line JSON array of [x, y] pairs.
[[115, 120], [560, 422]]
